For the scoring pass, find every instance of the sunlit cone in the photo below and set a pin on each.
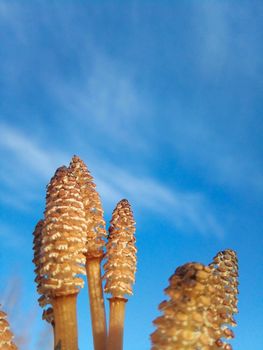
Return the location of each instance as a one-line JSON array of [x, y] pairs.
[[225, 275], [96, 232], [201, 306], [96, 235], [63, 236], [62, 254], [187, 321], [6, 336], [120, 268]]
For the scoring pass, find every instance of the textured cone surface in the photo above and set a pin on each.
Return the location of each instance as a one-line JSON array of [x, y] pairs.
[[202, 302], [120, 266], [37, 246], [187, 322], [225, 275], [6, 336], [96, 232], [63, 237]]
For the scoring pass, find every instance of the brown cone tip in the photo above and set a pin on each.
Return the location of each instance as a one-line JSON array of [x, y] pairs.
[[63, 237], [120, 266], [96, 232], [190, 317], [6, 336]]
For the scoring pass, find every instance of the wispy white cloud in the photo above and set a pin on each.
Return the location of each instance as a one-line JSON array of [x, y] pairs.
[[26, 166], [103, 106], [185, 210], [188, 211], [106, 101], [27, 152], [102, 97]]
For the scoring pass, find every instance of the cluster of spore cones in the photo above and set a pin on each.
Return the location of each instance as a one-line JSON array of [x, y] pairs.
[[71, 242]]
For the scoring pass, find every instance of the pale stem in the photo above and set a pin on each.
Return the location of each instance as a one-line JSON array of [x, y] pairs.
[[97, 307], [65, 314], [117, 314]]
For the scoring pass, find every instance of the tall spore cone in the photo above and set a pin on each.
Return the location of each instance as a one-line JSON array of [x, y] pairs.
[[187, 322], [63, 236], [6, 336], [96, 232], [96, 235], [225, 274], [120, 268], [62, 257]]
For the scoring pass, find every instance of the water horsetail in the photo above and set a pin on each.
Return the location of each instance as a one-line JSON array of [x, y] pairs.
[[95, 243], [63, 246], [120, 268]]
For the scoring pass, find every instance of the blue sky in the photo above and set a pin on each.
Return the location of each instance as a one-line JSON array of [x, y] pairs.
[[163, 101]]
